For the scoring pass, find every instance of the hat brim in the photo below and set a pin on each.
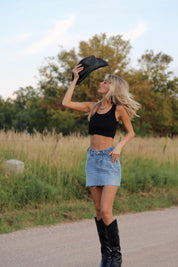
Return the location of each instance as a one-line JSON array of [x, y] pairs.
[[87, 72], [84, 73]]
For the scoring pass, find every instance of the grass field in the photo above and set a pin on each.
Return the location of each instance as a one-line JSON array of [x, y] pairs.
[[52, 187]]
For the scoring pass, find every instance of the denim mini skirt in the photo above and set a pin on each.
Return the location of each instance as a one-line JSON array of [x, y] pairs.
[[100, 170]]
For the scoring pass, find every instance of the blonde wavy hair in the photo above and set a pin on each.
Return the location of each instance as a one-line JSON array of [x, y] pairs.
[[118, 94]]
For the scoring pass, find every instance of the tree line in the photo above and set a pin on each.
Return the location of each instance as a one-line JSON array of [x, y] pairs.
[[152, 84]]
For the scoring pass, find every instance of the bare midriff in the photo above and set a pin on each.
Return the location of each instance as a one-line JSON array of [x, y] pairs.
[[99, 142]]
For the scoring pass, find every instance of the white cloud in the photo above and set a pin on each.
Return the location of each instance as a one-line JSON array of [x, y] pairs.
[[50, 37], [135, 33], [20, 38]]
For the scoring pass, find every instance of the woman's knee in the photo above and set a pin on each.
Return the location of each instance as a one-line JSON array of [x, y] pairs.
[[106, 213]]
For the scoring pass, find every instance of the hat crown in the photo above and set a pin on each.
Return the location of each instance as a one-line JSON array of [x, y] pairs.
[[88, 61]]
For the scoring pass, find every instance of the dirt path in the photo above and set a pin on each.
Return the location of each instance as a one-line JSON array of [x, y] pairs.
[[147, 239]]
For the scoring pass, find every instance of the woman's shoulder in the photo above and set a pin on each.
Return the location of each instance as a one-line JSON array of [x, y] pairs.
[[120, 108], [120, 111]]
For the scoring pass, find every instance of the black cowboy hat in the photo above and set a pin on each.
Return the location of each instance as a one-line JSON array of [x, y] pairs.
[[90, 64]]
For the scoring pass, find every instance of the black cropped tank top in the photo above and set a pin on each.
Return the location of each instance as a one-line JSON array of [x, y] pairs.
[[103, 124]]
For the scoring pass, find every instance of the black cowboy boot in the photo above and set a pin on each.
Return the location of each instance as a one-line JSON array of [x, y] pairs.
[[105, 248], [114, 241]]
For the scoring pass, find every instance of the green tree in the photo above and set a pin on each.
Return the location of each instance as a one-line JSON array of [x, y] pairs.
[[159, 99], [1, 113], [155, 67], [7, 114], [29, 112]]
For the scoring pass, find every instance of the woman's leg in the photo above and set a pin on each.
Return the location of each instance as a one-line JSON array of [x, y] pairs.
[[107, 200], [96, 192]]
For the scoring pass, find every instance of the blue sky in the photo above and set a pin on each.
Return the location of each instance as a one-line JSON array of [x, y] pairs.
[[34, 29]]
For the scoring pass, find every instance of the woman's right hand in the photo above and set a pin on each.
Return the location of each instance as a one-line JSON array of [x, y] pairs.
[[76, 71]]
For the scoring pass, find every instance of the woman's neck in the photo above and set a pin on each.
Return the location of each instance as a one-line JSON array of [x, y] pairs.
[[104, 103]]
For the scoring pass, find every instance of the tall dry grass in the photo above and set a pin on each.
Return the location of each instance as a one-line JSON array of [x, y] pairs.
[[66, 151]]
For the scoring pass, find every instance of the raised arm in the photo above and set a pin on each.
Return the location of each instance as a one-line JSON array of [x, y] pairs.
[[80, 106]]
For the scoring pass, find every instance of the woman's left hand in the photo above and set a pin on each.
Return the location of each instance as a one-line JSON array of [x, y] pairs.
[[115, 153]]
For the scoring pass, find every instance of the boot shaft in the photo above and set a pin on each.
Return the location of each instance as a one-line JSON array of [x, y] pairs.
[[105, 247], [103, 237], [114, 241], [113, 234]]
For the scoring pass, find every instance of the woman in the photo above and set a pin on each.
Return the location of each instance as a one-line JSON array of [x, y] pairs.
[[103, 173]]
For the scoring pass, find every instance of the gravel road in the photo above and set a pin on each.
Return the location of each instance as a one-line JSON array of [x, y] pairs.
[[148, 239]]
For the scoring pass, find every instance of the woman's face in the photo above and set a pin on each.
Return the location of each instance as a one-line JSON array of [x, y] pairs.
[[103, 87]]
